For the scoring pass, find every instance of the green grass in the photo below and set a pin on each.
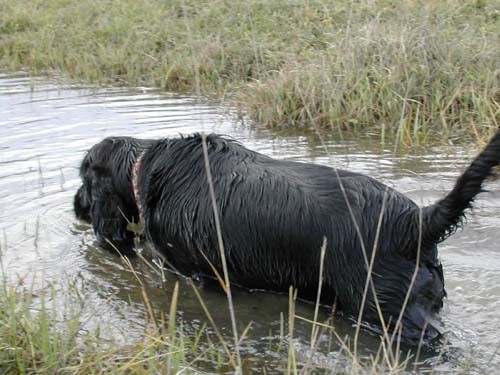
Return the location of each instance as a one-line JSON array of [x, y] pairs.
[[408, 69], [46, 328], [36, 338], [41, 333]]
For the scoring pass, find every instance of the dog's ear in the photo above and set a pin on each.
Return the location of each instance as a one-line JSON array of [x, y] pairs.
[[108, 213], [82, 203]]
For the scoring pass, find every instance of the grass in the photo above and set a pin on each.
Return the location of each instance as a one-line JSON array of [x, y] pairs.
[[417, 71], [39, 339], [41, 335]]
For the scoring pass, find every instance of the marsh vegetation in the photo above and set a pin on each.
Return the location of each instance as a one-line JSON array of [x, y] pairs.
[[416, 71]]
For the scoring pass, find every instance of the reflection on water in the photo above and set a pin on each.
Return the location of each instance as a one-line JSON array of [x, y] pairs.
[[45, 130]]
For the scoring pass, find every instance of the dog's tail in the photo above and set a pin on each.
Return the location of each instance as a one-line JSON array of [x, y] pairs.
[[443, 217]]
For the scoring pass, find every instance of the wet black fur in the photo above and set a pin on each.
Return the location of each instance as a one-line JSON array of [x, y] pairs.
[[274, 215]]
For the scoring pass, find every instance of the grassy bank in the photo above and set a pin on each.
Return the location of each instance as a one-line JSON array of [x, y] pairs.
[[409, 68]]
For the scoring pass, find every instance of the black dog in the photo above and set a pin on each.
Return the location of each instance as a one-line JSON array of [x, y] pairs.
[[274, 215]]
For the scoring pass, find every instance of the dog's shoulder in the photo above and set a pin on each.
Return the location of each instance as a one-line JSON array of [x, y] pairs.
[[214, 141], [192, 145]]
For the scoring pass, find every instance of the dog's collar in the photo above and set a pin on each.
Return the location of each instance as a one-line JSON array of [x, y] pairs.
[[136, 167]]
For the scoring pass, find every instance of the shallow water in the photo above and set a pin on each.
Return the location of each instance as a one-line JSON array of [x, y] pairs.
[[45, 129]]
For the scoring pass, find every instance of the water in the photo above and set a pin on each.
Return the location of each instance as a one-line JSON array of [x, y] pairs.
[[45, 130]]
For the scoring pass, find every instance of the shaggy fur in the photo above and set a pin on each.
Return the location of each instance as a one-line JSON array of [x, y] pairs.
[[274, 215]]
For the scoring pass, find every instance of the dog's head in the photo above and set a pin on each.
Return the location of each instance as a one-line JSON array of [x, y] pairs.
[[105, 200]]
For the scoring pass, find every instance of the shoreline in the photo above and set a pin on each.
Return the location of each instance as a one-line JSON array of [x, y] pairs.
[[400, 70]]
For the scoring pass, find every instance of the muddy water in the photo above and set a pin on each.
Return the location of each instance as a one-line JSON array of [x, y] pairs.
[[45, 129]]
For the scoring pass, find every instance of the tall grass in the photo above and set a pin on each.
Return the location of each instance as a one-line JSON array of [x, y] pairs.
[[42, 334], [407, 69], [36, 338]]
